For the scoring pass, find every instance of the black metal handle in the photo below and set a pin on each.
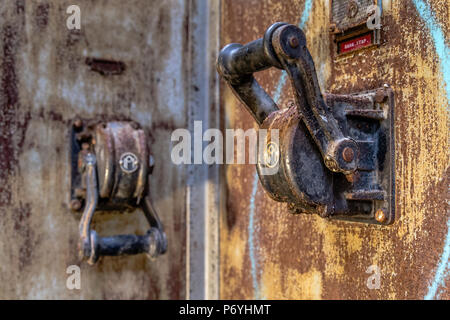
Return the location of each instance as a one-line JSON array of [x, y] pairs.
[[237, 63], [284, 46], [152, 243], [122, 245], [236, 60]]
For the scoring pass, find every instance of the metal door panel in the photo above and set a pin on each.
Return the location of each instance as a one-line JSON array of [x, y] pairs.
[[268, 253]]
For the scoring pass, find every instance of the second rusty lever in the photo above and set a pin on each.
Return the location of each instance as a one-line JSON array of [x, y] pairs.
[[117, 153]]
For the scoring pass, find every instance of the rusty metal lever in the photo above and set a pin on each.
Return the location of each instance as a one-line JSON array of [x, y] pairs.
[[284, 46], [92, 246], [111, 166], [85, 245]]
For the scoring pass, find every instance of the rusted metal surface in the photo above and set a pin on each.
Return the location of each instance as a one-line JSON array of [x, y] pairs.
[[44, 85], [267, 252]]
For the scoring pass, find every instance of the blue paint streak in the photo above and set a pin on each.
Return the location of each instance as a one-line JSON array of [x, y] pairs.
[[438, 38], [306, 13], [251, 223], [443, 265], [443, 52], [279, 87]]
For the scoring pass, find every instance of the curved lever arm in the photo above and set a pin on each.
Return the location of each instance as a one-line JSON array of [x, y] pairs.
[[90, 174], [237, 63], [155, 222], [284, 46]]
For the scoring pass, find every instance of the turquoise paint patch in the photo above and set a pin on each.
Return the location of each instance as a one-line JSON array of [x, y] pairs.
[[440, 275], [306, 12], [443, 52], [438, 38], [251, 225], [279, 87]]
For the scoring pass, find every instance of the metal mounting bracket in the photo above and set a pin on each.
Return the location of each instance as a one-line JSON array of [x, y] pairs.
[[110, 164], [335, 151]]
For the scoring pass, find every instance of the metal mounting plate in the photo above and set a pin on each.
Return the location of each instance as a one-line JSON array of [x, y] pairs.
[[369, 114], [347, 14], [348, 25]]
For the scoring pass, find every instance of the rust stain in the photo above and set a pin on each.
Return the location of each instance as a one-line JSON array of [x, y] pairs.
[[106, 67], [26, 235], [44, 86], [42, 13], [329, 259], [281, 283]]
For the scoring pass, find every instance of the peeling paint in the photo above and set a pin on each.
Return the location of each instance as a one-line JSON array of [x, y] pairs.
[[304, 246], [443, 53], [284, 284]]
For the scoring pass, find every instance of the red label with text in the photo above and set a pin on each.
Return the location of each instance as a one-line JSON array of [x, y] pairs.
[[355, 43]]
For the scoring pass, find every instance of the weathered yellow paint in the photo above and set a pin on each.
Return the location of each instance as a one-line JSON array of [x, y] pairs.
[[236, 250], [283, 284], [309, 257]]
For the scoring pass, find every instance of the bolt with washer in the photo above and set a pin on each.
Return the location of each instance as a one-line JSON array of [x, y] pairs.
[[380, 216], [293, 42], [348, 154]]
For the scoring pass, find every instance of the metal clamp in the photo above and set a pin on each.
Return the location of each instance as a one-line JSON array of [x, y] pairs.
[[122, 171]]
